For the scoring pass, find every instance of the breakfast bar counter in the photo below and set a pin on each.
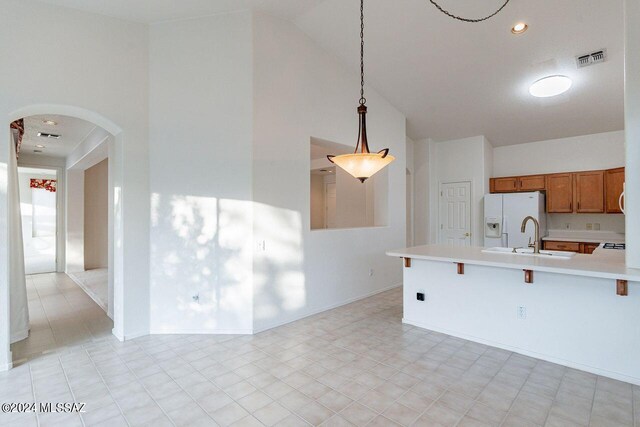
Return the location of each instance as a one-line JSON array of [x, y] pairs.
[[610, 266], [582, 312]]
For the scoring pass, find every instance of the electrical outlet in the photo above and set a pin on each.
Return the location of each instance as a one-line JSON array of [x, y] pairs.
[[596, 226], [589, 226], [522, 312], [261, 245], [420, 296], [196, 298]]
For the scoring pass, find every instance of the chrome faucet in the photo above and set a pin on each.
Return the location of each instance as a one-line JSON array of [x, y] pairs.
[[536, 242]]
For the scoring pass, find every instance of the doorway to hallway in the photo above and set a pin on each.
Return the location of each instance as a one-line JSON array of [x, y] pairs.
[[39, 213]]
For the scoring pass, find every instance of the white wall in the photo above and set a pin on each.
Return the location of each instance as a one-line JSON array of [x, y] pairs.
[[355, 200], [578, 153], [410, 192], [317, 201], [108, 86], [422, 194], [96, 209], [632, 129], [301, 91], [571, 321], [465, 159], [200, 130]]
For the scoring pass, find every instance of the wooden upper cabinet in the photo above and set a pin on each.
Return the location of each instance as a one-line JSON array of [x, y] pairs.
[[590, 192], [613, 182], [560, 193], [531, 183], [504, 185]]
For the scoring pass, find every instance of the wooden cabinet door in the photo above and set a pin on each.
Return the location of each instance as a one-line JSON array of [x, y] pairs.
[[588, 248], [613, 181], [552, 245], [560, 193], [504, 185], [531, 183], [590, 192]]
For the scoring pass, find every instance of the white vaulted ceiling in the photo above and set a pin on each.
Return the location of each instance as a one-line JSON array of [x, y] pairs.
[[150, 11], [453, 79]]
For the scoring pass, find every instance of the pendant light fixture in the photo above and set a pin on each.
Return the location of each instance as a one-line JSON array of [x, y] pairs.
[[362, 164]]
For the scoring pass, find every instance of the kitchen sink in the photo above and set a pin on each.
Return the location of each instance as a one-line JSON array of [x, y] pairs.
[[529, 252]]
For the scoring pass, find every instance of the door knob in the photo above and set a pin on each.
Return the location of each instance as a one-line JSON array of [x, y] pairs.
[[467, 234]]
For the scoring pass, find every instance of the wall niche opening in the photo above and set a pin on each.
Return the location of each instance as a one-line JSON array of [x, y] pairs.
[[338, 200]]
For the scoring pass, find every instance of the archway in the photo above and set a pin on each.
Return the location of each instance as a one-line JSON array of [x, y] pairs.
[[115, 188]]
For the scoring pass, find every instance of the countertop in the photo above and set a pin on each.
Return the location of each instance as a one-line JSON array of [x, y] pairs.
[[584, 236], [607, 267]]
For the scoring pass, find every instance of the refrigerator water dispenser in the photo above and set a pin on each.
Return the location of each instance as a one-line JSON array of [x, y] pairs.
[[493, 227]]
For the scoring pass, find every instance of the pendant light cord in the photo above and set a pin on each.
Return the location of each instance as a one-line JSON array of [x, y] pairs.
[[451, 15], [363, 100]]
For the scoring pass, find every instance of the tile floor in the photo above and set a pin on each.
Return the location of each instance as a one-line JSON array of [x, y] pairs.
[[95, 283], [353, 366], [60, 315]]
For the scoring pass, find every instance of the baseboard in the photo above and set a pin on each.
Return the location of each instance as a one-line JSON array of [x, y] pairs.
[[135, 335], [552, 359], [164, 331], [6, 366], [89, 292], [330, 307]]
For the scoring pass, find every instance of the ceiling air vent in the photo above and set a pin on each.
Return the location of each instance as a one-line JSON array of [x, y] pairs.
[[37, 151], [591, 58], [48, 135]]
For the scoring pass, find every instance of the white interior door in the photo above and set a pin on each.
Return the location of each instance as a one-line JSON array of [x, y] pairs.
[[455, 214], [330, 205]]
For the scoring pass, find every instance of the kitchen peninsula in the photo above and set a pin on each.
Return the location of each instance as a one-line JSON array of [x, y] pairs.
[[582, 312]]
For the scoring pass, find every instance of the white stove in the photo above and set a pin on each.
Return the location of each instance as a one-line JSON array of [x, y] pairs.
[[613, 251], [613, 246]]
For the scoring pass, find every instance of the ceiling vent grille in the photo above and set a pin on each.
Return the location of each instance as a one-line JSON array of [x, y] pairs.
[[591, 58], [48, 135]]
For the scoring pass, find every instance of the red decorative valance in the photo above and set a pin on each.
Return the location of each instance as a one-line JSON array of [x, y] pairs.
[[47, 184]]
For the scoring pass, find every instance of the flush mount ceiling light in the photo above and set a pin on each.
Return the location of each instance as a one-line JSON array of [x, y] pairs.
[[50, 122], [362, 164], [519, 28], [39, 146], [550, 86]]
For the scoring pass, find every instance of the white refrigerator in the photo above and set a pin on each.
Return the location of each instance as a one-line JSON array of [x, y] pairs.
[[503, 215]]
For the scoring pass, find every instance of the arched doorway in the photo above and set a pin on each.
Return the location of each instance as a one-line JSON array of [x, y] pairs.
[[115, 208]]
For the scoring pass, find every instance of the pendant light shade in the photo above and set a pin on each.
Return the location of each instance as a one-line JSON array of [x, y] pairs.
[[362, 164]]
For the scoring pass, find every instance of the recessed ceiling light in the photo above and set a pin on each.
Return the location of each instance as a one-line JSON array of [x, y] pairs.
[[50, 122], [519, 28], [39, 146], [550, 86]]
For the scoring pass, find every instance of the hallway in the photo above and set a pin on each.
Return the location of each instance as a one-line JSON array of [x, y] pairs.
[[61, 315]]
